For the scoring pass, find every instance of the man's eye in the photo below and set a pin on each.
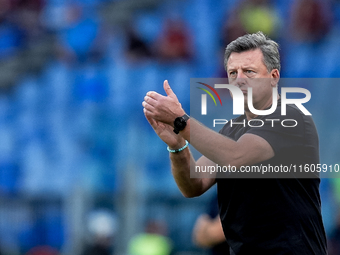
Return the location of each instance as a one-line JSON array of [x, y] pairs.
[[249, 71], [232, 73]]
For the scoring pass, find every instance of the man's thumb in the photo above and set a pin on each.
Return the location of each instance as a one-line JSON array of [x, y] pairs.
[[167, 89]]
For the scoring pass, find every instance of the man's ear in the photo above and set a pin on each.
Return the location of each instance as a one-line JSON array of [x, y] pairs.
[[275, 74]]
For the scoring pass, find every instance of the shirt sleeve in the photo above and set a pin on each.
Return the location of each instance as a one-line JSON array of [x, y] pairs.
[[283, 133]]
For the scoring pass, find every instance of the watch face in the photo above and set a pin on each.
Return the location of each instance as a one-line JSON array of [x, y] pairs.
[[180, 123]]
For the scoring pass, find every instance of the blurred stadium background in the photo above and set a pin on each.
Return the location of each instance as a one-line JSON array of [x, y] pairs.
[[80, 168]]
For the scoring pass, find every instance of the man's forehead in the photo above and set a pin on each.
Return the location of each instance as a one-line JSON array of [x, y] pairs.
[[245, 58]]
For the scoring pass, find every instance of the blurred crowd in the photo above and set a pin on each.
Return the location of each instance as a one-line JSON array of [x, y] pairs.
[[79, 122], [19, 25]]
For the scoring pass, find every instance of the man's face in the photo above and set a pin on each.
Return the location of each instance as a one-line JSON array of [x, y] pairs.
[[247, 69]]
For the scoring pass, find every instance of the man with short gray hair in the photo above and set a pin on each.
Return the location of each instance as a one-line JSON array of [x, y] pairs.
[[259, 216]]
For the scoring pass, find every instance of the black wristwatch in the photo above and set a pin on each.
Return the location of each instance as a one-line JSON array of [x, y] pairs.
[[180, 123]]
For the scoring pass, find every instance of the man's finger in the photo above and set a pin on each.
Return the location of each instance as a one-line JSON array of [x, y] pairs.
[[148, 107], [168, 89], [153, 95], [149, 118], [150, 100]]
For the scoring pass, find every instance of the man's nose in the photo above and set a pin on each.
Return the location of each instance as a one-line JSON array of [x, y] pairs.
[[240, 79]]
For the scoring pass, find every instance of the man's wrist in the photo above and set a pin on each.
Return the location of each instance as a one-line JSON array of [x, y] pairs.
[[180, 123], [177, 146]]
